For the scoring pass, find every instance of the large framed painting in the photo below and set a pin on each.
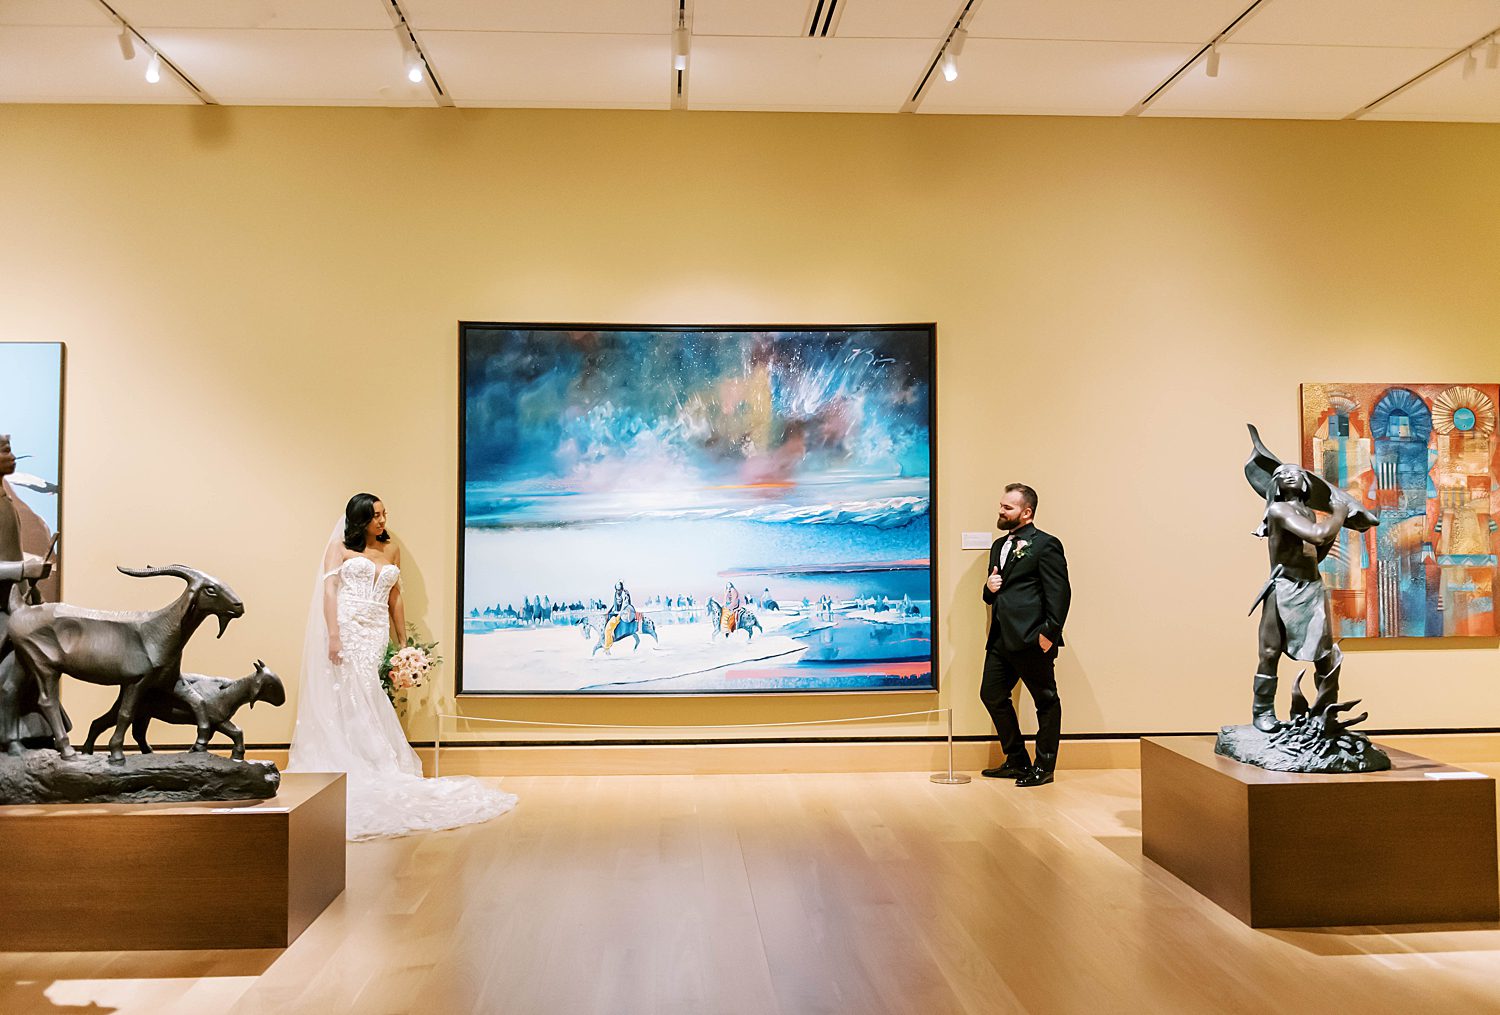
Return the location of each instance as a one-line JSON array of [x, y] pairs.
[[696, 510], [1423, 458], [31, 414]]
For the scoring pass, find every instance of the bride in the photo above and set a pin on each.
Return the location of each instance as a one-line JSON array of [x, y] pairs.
[[345, 722]]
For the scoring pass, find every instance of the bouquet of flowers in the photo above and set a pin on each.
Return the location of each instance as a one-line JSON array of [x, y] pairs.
[[405, 666]]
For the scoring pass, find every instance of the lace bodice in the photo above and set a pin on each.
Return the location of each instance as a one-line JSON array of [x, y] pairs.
[[362, 580]]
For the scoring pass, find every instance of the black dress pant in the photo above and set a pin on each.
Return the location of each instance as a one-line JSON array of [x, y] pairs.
[[1032, 667]]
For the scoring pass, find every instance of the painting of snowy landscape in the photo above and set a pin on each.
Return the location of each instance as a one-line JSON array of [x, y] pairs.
[[671, 510]]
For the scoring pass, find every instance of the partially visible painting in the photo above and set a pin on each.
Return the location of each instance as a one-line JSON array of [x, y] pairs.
[[680, 510], [31, 379], [1424, 458]]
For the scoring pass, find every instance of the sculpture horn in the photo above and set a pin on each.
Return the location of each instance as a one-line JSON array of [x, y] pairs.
[[187, 574]]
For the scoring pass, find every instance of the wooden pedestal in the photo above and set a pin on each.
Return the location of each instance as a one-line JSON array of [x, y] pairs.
[[244, 874], [1412, 845]]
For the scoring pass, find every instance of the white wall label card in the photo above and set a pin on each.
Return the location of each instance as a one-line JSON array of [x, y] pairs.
[[977, 540]]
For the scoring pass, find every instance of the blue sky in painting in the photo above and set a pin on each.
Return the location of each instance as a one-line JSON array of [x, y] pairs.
[[31, 412], [568, 426]]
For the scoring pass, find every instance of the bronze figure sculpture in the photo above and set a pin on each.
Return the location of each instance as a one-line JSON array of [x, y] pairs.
[[20, 719], [1295, 621], [141, 653]]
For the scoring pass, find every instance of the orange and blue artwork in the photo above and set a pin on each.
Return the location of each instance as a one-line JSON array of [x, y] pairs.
[[1424, 459], [695, 510]]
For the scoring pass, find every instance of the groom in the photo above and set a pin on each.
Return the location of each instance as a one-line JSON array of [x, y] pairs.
[[1028, 594]]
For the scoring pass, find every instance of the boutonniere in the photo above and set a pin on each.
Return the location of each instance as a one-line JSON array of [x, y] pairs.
[[1020, 551]]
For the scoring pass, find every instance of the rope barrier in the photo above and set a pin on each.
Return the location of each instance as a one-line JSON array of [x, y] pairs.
[[948, 778], [721, 726]]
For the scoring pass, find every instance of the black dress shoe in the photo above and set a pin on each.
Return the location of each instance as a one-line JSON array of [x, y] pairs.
[[1036, 777], [1006, 771]]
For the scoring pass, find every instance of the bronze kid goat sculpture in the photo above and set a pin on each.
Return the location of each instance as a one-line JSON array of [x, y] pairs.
[[208, 703]]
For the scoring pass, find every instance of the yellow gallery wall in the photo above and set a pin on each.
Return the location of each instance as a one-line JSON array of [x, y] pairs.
[[260, 308]]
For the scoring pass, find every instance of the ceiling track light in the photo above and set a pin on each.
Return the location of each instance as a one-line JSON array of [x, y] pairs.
[[1492, 54], [952, 52], [1470, 63], [1211, 65], [127, 44], [411, 59], [153, 69], [682, 41]]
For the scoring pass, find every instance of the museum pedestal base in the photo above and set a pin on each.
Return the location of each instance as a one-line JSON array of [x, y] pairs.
[[241, 874], [1415, 844]]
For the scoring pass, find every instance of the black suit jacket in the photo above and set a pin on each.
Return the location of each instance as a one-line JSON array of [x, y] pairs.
[[1034, 592]]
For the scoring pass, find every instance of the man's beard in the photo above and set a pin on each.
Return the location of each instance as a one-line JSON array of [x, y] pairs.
[[1009, 524]]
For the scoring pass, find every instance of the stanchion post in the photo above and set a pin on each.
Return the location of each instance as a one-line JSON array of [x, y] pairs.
[[437, 747], [950, 778]]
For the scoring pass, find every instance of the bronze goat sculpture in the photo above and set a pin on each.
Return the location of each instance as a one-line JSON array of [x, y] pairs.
[[208, 703], [141, 652]]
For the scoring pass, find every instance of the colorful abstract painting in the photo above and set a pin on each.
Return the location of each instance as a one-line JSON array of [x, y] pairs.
[[674, 510], [1424, 459], [31, 375]]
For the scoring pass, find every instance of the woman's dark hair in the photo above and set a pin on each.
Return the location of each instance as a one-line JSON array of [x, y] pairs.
[[357, 515]]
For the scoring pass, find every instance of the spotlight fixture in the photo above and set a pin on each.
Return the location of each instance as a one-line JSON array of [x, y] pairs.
[[1211, 65], [411, 57], [1470, 63], [953, 51], [1492, 54], [682, 40], [127, 44], [153, 69]]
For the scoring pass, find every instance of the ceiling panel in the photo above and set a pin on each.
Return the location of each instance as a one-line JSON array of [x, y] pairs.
[[1307, 82], [765, 17], [1107, 20], [843, 75], [1080, 78], [293, 66], [78, 65], [1291, 58], [148, 14], [1446, 95], [898, 19], [1447, 24], [589, 71], [590, 17], [54, 13]]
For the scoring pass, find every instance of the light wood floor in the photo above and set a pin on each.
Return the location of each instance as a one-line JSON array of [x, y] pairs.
[[861, 894]]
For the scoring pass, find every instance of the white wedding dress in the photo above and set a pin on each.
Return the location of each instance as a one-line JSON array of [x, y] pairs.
[[345, 722]]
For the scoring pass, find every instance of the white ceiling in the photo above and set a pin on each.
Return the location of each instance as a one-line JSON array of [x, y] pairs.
[[1312, 59]]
